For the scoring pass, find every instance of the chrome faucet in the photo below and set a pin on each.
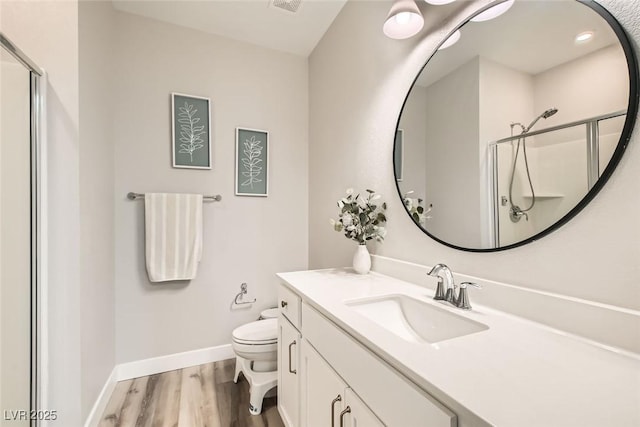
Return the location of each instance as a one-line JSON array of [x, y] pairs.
[[446, 290], [446, 285]]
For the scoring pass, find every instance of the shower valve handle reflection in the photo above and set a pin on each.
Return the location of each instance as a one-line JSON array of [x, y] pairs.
[[515, 214]]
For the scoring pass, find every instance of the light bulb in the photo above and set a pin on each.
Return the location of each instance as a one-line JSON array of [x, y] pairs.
[[403, 18], [493, 12]]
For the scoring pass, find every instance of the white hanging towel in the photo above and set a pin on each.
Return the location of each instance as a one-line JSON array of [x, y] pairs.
[[173, 234]]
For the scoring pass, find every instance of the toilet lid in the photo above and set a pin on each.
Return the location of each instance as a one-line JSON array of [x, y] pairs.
[[270, 313], [258, 332]]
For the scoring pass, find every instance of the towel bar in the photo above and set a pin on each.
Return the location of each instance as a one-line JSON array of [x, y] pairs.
[[137, 196]]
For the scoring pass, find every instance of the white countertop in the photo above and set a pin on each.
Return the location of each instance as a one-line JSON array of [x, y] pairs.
[[516, 373]]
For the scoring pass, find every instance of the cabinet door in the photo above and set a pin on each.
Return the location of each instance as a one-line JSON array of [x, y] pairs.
[[395, 400], [322, 390], [359, 414], [288, 372]]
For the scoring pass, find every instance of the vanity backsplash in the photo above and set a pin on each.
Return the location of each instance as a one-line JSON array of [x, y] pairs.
[[605, 324]]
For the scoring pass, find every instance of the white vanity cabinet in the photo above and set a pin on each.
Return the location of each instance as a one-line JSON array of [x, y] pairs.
[[490, 377], [289, 341], [326, 398], [340, 383]]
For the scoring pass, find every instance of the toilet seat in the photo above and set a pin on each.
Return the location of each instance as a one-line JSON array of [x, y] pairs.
[[256, 343], [260, 332]]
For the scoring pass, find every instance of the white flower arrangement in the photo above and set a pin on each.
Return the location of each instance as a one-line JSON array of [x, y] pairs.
[[361, 218], [416, 210]]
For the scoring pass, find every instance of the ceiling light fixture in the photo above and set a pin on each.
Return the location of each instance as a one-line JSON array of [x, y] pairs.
[[453, 39], [439, 2], [493, 12], [585, 36], [404, 20]]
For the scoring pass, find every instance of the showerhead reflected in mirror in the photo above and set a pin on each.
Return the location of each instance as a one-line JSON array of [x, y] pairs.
[[510, 132]]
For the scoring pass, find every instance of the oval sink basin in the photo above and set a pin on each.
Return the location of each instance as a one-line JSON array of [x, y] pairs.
[[414, 320]]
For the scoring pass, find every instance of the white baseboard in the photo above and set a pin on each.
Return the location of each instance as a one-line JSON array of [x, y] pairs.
[[103, 398], [155, 365], [603, 323]]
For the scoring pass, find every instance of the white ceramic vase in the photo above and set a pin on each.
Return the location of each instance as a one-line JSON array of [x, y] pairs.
[[362, 260]]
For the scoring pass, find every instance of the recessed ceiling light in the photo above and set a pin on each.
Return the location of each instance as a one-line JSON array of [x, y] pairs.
[[585, 36], [453, 39], [404, 20], [439, 2], [493, 12]]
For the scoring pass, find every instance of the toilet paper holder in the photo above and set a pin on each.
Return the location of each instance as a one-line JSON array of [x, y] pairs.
[[243, 291]]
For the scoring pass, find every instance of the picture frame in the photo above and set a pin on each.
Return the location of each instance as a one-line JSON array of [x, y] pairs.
[[190, 131], [398, 155], [252, 162]]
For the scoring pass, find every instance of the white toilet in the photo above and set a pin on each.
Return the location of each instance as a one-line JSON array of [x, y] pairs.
[[256, 348]]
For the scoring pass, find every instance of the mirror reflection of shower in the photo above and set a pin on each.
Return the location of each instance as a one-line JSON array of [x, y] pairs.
[[515, 211], [563, 162]]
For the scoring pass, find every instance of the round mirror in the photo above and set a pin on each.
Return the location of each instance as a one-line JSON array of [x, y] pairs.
[[511, 130]]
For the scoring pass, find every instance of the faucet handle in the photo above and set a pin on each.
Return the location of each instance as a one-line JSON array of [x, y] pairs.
[[464, 285], [440, 290], [463, 297]]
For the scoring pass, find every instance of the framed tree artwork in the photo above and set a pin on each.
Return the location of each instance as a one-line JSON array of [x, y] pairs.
[[191, 131], [252, 162]]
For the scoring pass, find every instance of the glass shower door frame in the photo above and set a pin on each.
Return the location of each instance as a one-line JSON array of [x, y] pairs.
[[592, 126], [37, 229]]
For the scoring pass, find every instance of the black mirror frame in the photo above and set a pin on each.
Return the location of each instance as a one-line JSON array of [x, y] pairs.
[[632, 112]]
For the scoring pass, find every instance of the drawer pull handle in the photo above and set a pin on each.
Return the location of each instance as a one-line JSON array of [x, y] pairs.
[[283, 304], [333, 405], [293, 371], [343, 413]]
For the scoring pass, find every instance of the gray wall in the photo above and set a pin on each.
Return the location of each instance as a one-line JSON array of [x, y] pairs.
[[355, 58], [246, 239], [96, 19], [453, 161]]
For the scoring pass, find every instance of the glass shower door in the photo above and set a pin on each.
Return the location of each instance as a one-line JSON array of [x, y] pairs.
[[19, 112]]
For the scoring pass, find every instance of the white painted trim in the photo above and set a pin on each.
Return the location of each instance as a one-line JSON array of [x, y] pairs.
[[155, 365], [603, 323], [103, 399]]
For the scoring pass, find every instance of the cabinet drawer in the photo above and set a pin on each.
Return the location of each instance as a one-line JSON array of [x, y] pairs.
[[289, 305], [394, 399]]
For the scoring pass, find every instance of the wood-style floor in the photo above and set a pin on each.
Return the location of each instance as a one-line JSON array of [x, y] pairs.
[[200, 396]]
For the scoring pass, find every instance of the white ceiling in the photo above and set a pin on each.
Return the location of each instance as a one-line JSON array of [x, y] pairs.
[[252, 21], [532, 37]]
